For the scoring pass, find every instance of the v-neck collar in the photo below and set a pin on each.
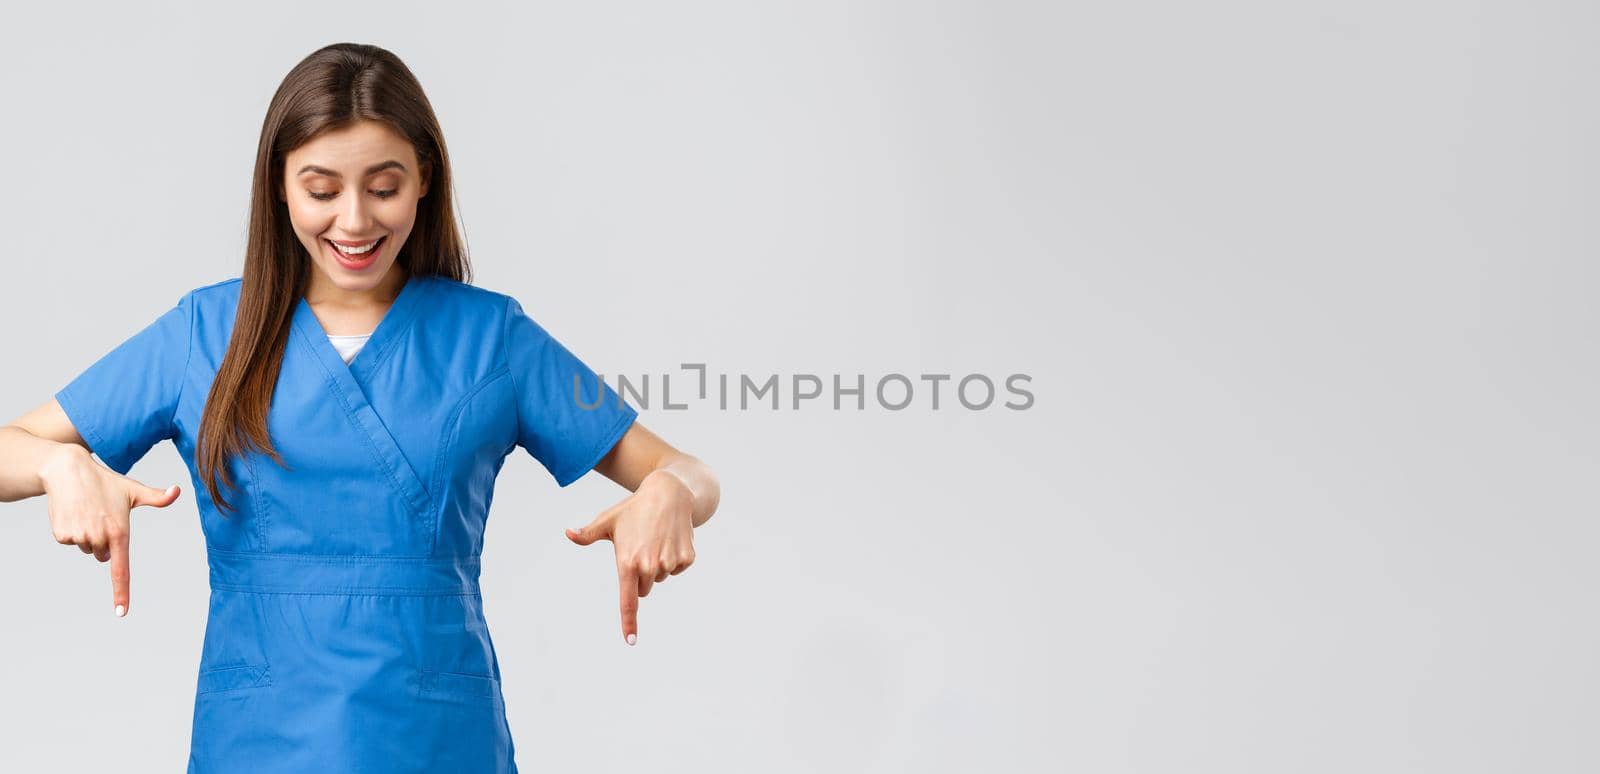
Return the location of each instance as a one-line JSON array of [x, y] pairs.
[[379, 342], [351, 381]]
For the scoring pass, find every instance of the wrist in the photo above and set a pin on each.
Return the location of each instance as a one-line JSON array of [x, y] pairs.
[[57, 460], [668, 481]]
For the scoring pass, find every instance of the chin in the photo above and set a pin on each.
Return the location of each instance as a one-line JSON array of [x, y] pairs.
[[365, 279]]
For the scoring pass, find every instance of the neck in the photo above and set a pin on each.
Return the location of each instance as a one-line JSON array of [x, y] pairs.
[[321, 290]]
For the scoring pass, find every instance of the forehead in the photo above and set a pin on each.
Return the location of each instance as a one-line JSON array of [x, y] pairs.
[[353, 148]]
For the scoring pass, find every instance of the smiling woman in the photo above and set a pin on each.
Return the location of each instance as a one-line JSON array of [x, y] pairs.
[[346, 628]]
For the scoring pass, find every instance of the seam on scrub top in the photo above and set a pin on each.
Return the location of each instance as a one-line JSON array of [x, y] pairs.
[[450, 433], [345, 558], [353, 591], [383, 427], [505, 360], [402, 324], [259, 498], [361, 430], [598, 451], [183, 375]]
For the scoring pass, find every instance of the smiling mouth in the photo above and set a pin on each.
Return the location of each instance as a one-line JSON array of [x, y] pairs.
[[357, 252]]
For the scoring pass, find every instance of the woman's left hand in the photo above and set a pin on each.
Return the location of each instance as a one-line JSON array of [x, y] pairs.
[[652, 531]]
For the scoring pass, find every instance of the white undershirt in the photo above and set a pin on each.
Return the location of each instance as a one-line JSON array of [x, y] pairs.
[[348, 346]]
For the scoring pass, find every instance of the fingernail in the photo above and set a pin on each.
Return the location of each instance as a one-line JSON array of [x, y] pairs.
[[632, 638], [122, 610]]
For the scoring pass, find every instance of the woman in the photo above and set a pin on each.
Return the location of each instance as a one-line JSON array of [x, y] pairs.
[[344, 407]]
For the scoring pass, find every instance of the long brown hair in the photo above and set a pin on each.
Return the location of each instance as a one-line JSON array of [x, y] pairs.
[[334, 87]]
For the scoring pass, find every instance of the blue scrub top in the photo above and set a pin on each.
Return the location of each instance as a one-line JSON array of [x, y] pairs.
[[346, 629]]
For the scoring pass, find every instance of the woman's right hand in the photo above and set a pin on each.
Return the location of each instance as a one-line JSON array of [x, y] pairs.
[[89, 505]]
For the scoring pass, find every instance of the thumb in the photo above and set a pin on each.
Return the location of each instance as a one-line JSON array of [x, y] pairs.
[[599, 529], [146, 495]]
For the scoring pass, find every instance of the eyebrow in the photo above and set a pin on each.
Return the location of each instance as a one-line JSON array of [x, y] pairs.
[[379, 167]]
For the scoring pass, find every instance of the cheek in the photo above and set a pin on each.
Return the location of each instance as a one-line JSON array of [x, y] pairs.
[[398, 217], [307, 219]]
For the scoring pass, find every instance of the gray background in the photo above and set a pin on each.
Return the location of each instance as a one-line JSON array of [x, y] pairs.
[[1306, 291]]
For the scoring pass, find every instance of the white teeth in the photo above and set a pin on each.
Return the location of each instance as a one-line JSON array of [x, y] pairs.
[[353, 250]]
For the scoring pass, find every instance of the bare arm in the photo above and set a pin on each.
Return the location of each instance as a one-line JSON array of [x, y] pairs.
[[28, 445], [641, 454], [41, 453]]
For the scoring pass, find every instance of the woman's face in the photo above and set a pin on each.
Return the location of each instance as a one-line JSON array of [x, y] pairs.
[[358, 187]]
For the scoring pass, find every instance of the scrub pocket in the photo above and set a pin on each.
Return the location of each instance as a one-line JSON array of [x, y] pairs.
[[234, 678], [232, 704], [234, 653], [460, 688]]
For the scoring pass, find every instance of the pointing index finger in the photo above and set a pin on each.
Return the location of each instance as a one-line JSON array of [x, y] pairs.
[[119, 574], [630, 605]]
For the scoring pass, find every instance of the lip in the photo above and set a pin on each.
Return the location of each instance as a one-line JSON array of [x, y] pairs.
[[355, 264]]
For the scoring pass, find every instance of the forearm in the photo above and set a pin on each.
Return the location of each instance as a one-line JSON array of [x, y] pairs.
[[700, 480], [24, 457]]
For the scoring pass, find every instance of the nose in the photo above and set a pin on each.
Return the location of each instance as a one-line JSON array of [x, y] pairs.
[[354, 218]]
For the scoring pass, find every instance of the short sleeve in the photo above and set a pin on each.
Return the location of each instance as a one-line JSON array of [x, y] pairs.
[[560, 422], [124, 403]]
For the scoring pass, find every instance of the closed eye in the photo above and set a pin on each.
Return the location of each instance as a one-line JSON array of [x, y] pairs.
[[322, 197]]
